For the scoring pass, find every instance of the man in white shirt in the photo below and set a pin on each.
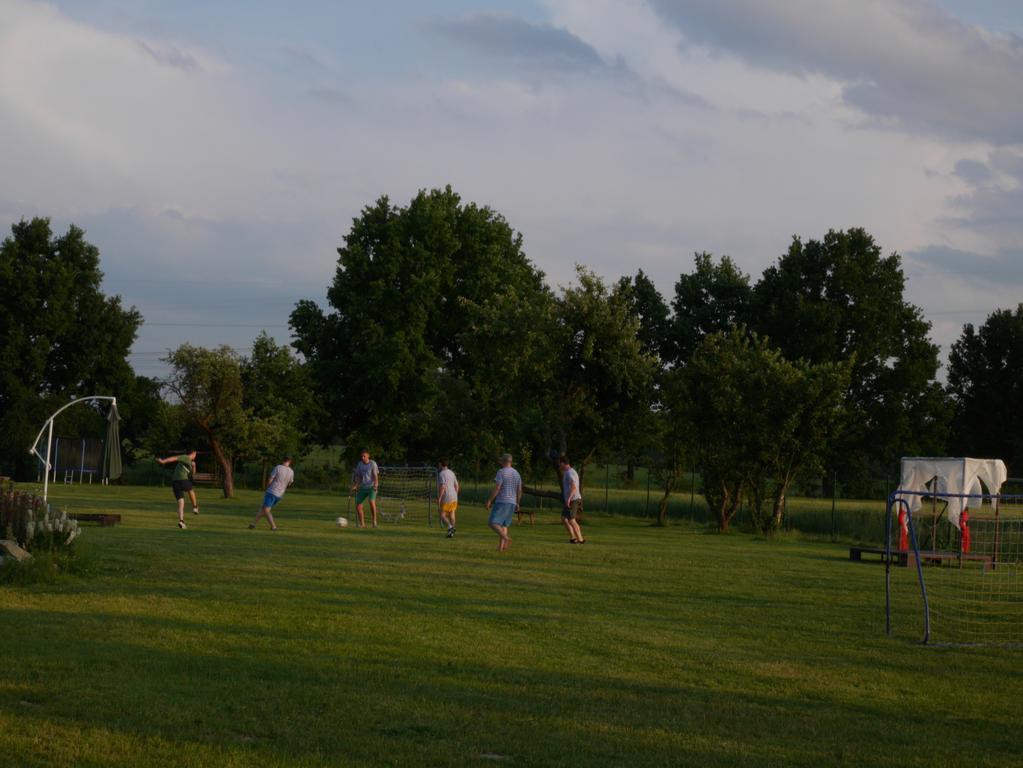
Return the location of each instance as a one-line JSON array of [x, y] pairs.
[[573, 497], [280, 478], [365, 481], [447, 496]]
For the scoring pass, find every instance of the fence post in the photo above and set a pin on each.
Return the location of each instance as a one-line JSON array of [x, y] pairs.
[[692, 493], [646, 509], [834, 493]]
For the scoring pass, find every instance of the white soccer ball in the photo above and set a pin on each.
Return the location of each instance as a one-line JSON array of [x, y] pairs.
[[342, 522]]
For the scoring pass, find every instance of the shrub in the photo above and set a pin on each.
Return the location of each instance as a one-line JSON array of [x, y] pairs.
[[26, 520]]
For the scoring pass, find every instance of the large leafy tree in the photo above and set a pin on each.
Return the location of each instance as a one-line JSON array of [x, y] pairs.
[[759, 421], [650, 309], [713, 297], [61, 336], [410, 280], [603, 378], [840, 298], [506, 396], [985, 381], [208, 385], [278, 396]]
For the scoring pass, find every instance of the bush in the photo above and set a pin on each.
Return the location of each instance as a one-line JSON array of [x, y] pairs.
[[50, 538]]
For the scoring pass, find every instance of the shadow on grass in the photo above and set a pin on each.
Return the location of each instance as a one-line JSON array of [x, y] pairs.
[[275, 701]]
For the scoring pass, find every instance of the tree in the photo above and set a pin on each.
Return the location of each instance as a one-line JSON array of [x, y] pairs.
[[715, 297], [985, 383], [839, 299], [278, 395], [507, 396], [649, 308], [208, 384], [758, 421], [61, 336], [603, 378], [407, 285], [672, 430]]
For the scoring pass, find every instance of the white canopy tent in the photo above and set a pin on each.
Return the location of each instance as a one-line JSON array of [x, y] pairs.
[[950, 475]]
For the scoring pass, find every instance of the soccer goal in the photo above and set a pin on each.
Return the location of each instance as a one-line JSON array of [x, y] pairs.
[[952, 568], [407, 494]]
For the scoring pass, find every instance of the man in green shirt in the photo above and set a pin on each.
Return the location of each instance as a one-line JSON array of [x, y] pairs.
[[181, 482]]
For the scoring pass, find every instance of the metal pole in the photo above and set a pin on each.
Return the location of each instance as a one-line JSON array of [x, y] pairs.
[[46, 475], [888, 567], [920, 576], [692, 493], [834, 493]]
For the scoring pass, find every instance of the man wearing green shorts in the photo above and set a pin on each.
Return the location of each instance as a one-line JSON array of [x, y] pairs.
[[365, 479]]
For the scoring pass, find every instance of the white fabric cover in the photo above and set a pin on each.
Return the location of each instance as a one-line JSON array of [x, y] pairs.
[[951, 475]]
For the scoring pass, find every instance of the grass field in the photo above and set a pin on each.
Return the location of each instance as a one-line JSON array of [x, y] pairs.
[[220, 646]]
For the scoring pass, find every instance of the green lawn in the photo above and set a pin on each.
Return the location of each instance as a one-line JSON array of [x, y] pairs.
[[220, 646]]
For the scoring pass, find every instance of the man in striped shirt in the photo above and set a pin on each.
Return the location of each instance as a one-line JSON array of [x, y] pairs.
[[504, 500]]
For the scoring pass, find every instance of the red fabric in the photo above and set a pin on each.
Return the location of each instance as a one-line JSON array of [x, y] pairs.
[[964, 528], [903, 530]]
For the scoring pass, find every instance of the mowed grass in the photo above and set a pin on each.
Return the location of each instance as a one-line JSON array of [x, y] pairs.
[[220, 646]]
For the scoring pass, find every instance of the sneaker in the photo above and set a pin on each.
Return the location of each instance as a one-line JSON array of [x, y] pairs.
[[181, 524], [252, 526], [451, 532], [273, 529], [195, 510], [573, 541]]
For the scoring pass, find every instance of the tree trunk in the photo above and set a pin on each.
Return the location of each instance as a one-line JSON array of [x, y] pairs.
[[225, 467], [779, 508], [662, 507], [731, 507]]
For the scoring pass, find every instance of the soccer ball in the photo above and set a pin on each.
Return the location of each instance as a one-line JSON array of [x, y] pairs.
[[342, 522]]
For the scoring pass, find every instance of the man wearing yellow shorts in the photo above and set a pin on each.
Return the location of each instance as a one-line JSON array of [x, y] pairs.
[[447, 496]]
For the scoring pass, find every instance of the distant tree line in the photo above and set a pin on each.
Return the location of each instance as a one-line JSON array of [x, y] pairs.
[[440, 336]]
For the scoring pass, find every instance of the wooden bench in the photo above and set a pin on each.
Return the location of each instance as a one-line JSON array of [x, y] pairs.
[[103, 518], [900, 559], [205, 478]]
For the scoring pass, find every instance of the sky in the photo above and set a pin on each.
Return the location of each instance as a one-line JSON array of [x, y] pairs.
[[216, 153]]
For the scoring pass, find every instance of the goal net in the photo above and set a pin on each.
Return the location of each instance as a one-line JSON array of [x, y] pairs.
[[955, 579], [407, 494]]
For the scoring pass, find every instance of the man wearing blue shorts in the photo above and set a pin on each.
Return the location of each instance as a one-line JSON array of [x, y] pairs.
[[281, 477], [504, 501]]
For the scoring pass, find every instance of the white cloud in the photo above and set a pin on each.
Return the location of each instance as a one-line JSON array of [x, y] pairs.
[[655, 143], [900, 60]]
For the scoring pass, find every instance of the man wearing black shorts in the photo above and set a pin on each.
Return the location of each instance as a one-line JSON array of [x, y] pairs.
[[573, 498], [181, 483]]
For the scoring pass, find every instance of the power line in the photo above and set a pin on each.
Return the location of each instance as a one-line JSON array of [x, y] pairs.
[[213, 325]]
